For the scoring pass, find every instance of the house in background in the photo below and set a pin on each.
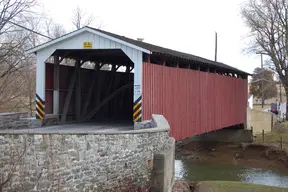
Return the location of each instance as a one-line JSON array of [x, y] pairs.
[[250, 101]]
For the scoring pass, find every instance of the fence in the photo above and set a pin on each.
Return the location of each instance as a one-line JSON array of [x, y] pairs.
[[276, 138]]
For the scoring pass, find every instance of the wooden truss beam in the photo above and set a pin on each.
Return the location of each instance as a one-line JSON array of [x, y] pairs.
[[87, 100], [105, 101], [118, 66], [69, 93], [56, 86], [78, 91]]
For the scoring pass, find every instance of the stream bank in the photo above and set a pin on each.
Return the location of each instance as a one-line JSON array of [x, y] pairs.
[[222, 186], [229, 162], [252, 155]]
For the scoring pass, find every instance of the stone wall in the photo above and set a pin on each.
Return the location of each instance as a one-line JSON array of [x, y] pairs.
[[80, 162], [13, 120]]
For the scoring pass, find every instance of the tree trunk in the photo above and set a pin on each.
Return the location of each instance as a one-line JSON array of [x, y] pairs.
[[286, 92]]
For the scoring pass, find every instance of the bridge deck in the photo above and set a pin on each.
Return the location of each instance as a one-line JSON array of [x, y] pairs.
[[80, 127]]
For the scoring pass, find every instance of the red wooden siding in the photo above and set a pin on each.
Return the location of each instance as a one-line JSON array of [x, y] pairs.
[[193, 102]]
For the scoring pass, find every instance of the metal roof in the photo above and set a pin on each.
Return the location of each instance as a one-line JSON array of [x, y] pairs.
[[143, 46], [79, 31], [170, 52]]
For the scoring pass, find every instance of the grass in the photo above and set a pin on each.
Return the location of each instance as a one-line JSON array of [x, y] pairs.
[[230, 186], [285, 124], [274, 138]]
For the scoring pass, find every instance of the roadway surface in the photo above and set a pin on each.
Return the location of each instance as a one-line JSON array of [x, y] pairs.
[[77, 127]]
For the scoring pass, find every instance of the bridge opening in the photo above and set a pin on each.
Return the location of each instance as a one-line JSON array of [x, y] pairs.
[[89, 86]]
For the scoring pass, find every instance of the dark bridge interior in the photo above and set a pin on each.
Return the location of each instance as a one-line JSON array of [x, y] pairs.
[[93, 85]]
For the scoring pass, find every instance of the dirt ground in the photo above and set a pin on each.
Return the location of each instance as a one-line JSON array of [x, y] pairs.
[[183, 186], [254, 155], [222, 186], [259, 107]]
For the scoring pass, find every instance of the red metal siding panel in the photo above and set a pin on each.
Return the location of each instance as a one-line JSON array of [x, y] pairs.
[[193, 102], [212, 106], [175, 102], [189, 112], [197, 102], [188, 124]]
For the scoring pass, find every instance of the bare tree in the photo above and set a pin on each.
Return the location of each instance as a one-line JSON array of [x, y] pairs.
[[28, 77], [53, 30], [13, 11], [268, 23], [16, 69], [81, 19], [269, 88], [17, 86]]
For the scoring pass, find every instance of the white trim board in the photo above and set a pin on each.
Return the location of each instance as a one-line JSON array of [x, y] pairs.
[[85, 29]]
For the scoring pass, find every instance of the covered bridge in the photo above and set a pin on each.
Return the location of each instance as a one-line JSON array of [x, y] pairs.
[[91, 75]]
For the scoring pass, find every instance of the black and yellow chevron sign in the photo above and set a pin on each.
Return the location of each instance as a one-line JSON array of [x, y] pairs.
[[40, 108], [137, 110]]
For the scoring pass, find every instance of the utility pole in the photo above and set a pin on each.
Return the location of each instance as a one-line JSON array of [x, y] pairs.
[[216, 45], [262, 79], [262, 85]]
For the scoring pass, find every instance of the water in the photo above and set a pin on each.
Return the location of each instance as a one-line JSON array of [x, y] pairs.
[[212, 171]]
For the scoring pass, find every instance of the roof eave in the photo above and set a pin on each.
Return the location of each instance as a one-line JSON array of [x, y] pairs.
[[67, 36], [232, 69]]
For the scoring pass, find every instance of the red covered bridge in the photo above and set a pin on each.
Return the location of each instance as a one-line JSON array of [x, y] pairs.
[[93, 75]]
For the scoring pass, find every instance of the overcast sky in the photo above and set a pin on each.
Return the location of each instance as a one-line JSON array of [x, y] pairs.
[[183, 25]]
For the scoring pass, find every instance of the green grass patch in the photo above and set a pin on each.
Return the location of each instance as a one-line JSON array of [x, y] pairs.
[[285, 124], [230, 186], [273, 139]]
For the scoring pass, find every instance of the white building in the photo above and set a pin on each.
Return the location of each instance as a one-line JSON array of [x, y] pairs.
[[250, 101]]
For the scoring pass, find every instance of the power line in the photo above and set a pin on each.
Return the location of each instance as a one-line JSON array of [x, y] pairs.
[[30, 30]]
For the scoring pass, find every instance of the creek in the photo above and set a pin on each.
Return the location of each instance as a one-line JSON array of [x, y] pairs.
[[214, 170]]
